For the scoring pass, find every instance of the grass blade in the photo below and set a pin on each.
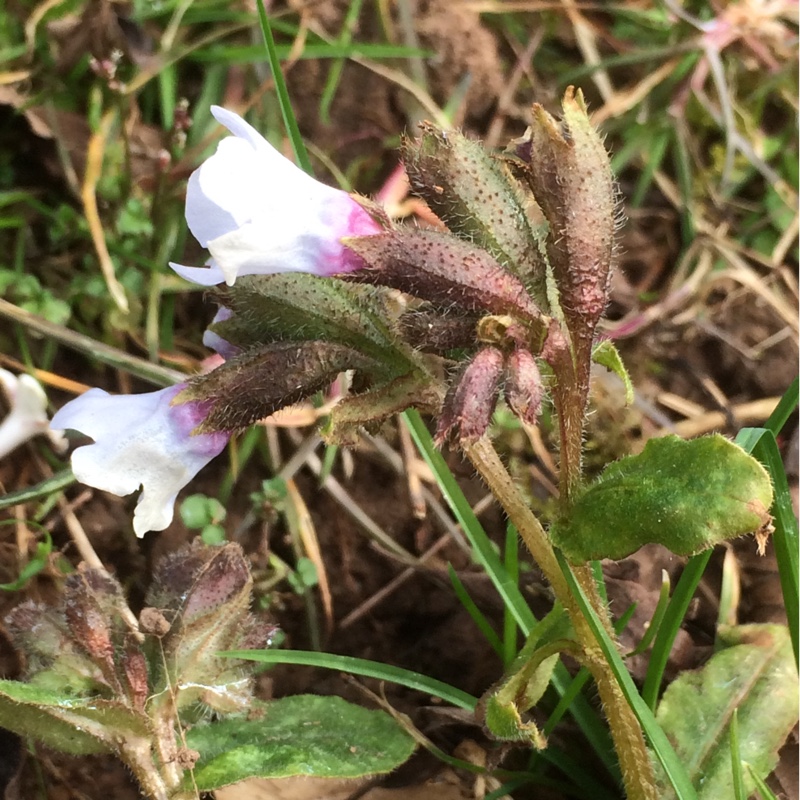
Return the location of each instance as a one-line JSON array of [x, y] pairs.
[[657, 618], [44, 488], [780, 416], [473, 530], [335, 73], [739, 792], [475, 613], [512, 568], [289, 119], [360, 666], [761, 785], [785, 537]]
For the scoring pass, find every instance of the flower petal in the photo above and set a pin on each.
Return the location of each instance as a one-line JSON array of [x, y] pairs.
[[140, 440], [28, 415], [203, 276], [213, 341], [258, 213]]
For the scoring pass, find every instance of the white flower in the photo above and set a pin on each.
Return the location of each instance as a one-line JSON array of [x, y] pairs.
[[28, 415], [257, 213], [140, 440]]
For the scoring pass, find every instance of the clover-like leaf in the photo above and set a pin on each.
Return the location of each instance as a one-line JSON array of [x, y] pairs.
[[301, 735], [608, 356], [685, 495]]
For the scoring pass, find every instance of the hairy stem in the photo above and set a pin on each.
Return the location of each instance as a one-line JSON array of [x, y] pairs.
[[629, 743]]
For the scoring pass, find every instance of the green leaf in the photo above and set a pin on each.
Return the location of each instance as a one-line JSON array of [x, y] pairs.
[[526, 682], [608, 356], [33, 567], [695, 567], [302, 735], [687, 496], [753, 677], [197, 511], [78, 726]]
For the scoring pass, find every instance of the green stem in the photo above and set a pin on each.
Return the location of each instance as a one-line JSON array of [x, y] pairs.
[[629, 743]]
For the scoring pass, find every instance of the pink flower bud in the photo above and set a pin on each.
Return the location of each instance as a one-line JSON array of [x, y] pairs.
[[470, 403], [523, 388]]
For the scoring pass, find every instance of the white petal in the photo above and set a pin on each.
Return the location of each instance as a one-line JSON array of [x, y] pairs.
[[224, 190], [255, 249], [140, 440], [28, 415], [238, 126], [258, 213], [15, 430], [203, 276]]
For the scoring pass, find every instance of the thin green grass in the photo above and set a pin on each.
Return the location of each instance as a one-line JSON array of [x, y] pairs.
[[360, 666], [475, 613]]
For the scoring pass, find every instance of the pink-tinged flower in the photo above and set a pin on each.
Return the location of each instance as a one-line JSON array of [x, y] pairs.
[[140, 440], [28, 414], [257, 213]]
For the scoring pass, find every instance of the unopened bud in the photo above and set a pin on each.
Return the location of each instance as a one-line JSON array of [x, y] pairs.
[[476, 198], [434, 332], [443, 270], [224, 580], [569, 172], [257, 383], [134, 672], [209, 588], [39, 632], [523, 387], [91, 609], [470, 403]]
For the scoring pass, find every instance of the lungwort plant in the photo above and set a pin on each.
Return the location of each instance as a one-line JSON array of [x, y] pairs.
[[500, 302]]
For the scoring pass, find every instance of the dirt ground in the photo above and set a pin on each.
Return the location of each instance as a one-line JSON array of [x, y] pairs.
[[715, 360]]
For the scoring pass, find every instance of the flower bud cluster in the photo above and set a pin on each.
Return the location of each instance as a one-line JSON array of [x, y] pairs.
[[200, 598], [312, 276]]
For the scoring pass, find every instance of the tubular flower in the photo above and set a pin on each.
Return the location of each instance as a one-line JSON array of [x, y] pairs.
[[140, 440], [257, 213]]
